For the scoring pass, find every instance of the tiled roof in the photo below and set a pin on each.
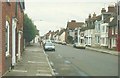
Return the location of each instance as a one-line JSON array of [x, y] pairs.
[[73, 25], [98, 18]]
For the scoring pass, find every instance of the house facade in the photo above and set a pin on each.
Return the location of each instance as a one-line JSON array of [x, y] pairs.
[[118, 26], [112, 33], [89, 32], [72, 31], [62, 35], [97, 30], [11, 36]]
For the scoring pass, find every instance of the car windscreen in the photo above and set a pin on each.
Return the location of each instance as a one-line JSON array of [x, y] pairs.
[[49, 44]]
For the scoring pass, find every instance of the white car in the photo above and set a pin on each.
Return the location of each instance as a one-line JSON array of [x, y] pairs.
[[64, 43], [49, 46], [78, 45]]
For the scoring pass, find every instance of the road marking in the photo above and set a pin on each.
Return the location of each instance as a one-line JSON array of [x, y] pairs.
[[52, 73], [56, 73], [43, 74], [35, 62], [24, 71], [67, 62], [59, 55], [42, 70]]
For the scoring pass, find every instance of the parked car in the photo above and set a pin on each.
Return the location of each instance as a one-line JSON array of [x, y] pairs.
[[49, 46], [64, 43], [78, 45]]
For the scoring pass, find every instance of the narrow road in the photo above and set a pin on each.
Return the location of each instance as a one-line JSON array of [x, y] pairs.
[[69, 61]]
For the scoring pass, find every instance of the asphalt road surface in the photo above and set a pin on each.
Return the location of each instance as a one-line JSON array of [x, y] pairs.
[[69, 61]]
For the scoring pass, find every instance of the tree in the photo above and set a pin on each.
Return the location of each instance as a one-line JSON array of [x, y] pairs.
[[70, 39], [29, 29]]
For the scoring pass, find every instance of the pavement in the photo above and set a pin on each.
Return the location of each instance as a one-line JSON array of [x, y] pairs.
[[34, 62], [107, 51]]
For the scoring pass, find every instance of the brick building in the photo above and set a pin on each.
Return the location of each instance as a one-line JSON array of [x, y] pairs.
[[118, 26], [11, 37]]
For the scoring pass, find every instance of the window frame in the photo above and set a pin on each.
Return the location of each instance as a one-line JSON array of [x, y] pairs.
[[7, 40]]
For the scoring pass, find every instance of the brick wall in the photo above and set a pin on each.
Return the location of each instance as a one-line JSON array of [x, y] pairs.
[[7, 14], [20, 25], [0, 38]]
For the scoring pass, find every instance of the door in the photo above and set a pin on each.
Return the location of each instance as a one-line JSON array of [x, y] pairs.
[[14, 23]]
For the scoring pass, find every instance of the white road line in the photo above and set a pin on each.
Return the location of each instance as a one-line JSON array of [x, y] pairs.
[[59, 55], [42, 70], [52, 72], [43, 74], [24, 71], [35, 62]]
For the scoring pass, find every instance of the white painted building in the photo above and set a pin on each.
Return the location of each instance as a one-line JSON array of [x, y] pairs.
[[88, 36], [62, 37], [104, 35], [97, 31], [72, 33]]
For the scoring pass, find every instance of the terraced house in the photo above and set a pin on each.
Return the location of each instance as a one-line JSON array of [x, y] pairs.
[[118, 26], [11, 36]]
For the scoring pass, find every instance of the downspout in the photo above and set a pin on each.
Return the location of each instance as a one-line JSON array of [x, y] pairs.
[[16, 6]]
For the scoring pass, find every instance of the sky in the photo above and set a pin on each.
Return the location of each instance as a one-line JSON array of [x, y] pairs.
[[54, 14]]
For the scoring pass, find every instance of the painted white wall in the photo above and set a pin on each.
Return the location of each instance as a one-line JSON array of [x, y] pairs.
[[36, 38], [104, 34], [62, 37], [88, 35], [97, 31]]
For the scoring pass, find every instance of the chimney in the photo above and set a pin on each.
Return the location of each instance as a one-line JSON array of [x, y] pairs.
[[89, 15], [111, 8], [73, 21], [94, 15], [103, 10]]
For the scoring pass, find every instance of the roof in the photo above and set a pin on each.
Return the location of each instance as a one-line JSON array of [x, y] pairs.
[[73, 24], [107, 19], [98, 18], [114, 21], [61, 31]]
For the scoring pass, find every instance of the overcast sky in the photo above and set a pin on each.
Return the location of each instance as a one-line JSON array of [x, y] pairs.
[[54, 14]]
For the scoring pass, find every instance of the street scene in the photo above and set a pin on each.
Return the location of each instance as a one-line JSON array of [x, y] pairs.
[[59, 39]]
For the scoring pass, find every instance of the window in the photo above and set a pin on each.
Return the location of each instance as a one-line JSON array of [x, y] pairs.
[[114, 42], [103, 28], [98, 39], [116, 30], [112, 31], [7, 0], [99, 27], [7, 38]]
